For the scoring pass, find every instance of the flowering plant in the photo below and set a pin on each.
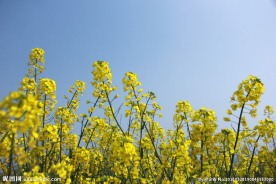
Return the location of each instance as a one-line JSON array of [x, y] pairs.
[[37, 137]]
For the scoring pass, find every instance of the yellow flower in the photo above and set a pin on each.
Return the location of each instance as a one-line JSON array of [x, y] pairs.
[[229, 112], [48, 86], [226, 119], [101, 71], [37, 54], [28, 84]]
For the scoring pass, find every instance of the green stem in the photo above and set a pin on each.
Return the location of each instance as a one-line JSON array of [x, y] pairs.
[[142, 123], [60, 144], [236, 142], [237, 138], [44, 116], [112, 112], [201, 157], [82, 131], [173, 162], [156, 154], [35, 72], [11, 156], [129, 122], [224, 156], [90, 137], [252, 157], [68, 104], [46, 158]]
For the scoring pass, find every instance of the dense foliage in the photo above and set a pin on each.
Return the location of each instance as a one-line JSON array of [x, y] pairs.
[[37, 137]]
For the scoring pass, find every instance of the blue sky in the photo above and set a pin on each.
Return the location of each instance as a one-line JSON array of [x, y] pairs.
[[181, 50]]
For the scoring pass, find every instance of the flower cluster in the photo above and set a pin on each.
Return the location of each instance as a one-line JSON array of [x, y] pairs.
[[36, 55], [102, 79], [39, 139], [48, 86], [36, 63]]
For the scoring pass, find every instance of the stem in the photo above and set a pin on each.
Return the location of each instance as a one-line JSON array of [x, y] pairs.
[[237, 137], [109, 103], [150, 169], [11, 154], [192, 149], [3, 137], [25, 149], [252, 157], [91, 136], [44, 109], [224, 156], [46, 158], [201, 157], [60, 144], [173, 162], [82, 130], [24, 142], [142, 123], [236, 142], [43, 117], [68, 104], [35, 74], [129, 121], [189, 132], [156, 154]]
